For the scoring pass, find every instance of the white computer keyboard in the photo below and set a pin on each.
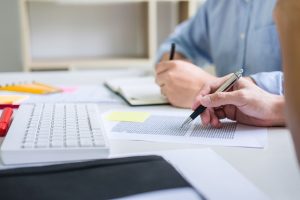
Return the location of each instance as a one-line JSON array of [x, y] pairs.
[[54, 133]]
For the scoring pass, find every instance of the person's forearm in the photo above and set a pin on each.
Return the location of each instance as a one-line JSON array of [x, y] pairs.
[[278, 108]]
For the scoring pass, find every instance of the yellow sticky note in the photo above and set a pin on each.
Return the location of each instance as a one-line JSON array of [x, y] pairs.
[[11, 99], [128, 116]]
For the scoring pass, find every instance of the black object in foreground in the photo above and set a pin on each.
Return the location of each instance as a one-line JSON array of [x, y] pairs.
[[99, 179]]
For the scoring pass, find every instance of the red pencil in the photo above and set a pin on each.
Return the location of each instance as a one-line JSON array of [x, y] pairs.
[[5, 120], [2, 106]]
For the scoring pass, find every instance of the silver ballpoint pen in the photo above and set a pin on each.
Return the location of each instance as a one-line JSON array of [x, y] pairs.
[[223, 88]]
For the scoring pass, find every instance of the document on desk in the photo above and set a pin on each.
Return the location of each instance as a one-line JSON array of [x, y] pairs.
[[166, 127], [209, 174], [79, 94]]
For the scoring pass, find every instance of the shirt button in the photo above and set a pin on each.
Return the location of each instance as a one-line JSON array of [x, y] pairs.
[[242, 36]]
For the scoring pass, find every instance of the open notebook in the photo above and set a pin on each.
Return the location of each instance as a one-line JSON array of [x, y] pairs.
[[137, 91]]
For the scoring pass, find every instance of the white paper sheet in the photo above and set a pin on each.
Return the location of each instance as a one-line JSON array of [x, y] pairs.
[[166, 127], [210, 174]]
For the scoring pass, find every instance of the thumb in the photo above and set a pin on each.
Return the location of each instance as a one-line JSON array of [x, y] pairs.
[[221, 99]]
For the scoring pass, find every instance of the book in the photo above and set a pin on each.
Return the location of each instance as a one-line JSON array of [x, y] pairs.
[[30, 87], [137, 91]]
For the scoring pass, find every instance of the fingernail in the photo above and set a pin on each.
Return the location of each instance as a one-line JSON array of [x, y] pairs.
[[205, 100]]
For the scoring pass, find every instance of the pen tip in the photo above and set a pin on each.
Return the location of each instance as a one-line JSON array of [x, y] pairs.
[[186, 122]]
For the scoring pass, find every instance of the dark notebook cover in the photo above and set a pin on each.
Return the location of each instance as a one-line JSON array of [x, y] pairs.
[[99, 179]]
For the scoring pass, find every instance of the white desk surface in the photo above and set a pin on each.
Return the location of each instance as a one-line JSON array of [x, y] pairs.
[[274, 169]]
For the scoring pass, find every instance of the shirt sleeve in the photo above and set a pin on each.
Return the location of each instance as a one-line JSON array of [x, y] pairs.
[[270, 81], [191, 39]]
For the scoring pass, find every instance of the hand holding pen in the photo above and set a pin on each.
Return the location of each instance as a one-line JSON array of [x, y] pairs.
[[223, 88], [245, 103]]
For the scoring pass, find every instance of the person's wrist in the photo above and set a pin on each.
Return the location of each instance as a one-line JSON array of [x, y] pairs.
[[277, 107]]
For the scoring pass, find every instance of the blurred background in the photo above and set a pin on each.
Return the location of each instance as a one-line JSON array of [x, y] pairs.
[[39, 35]]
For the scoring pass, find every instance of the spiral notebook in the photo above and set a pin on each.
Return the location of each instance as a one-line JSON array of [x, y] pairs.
[[30, 87]]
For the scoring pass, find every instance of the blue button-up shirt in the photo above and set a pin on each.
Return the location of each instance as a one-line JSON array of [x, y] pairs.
[[233, 34]]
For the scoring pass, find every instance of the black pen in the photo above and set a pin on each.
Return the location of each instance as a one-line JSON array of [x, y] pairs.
[[172, 52], [223, 88]]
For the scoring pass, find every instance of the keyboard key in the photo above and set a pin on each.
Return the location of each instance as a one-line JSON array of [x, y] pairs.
[[71, 143], [94, 123], [57, 143], [27, 145], [32, 130], [85, 132], [44, 132], [86, 137], [57, 132], [29, 140], [86, 142], [71, 137], [43, 138], [42, 145], [57, 137], [97, 132]]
